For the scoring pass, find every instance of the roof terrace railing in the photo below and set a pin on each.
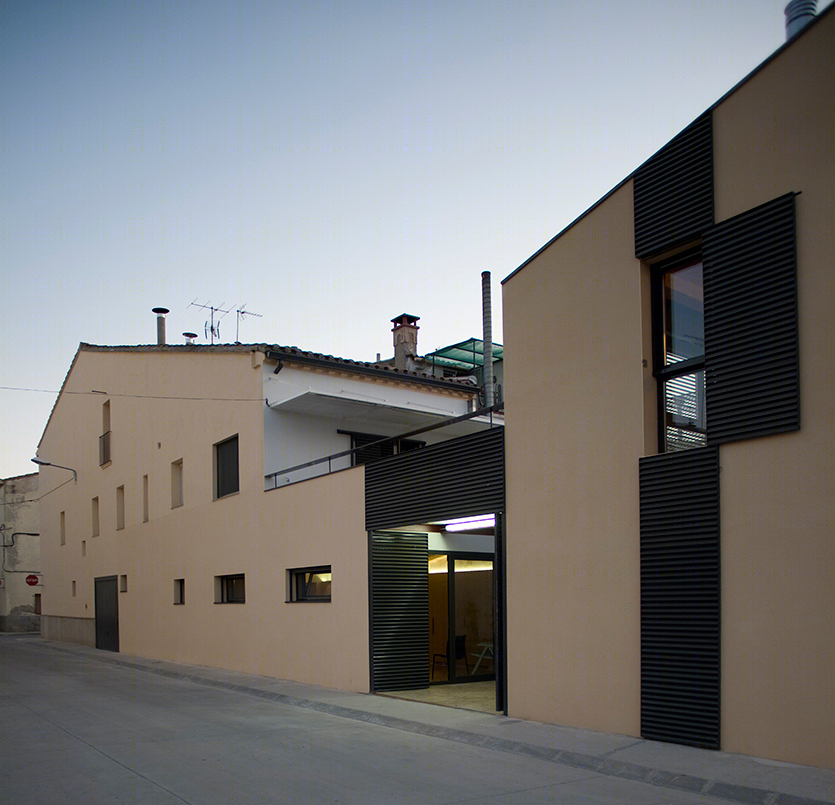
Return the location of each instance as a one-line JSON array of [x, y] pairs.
[[271, 481]]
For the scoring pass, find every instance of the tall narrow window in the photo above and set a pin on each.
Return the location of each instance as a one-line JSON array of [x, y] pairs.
[[120, 508], [179, 591], [104, 439], [226, 467], [95, 517], [145, 505], [679, 358], [84, 547], [176, 483], [63, 528]]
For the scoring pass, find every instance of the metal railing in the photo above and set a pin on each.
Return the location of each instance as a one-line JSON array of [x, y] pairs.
[[104, 448], [271, 481]]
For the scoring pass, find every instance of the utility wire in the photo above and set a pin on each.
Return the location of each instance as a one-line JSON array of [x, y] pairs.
[[138, 396], [35, 500]]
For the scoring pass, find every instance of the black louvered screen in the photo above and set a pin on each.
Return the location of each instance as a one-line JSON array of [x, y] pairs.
[[752, 382], [673, 191], [680, 597], [456, 478], [227, 467], [399, 611]]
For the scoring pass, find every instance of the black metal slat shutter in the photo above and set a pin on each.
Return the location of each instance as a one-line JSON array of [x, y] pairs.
[[227, 467], [752, 383], [680, 597], [456, 478], [399, 611], [107, 613], [673, 191]]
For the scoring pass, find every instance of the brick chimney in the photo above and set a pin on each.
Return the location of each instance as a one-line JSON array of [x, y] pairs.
[[405, 338]]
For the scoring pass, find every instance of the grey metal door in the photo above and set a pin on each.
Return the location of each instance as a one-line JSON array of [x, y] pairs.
[[107, 613]]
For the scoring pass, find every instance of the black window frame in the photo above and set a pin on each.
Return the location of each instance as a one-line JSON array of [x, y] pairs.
[[295, 590], [366, 453], [225, 592], [227, 466], [662, 372]]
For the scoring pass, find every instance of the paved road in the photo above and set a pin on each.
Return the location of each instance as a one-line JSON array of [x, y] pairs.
[[82, 726]]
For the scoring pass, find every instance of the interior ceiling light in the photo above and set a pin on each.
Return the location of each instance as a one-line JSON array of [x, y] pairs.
[[468, 523]]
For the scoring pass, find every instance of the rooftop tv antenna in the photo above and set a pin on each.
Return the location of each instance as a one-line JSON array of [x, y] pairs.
[[241, 313], [211, 328]]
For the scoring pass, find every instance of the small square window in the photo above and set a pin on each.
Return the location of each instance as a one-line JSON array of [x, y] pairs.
[[309, 583], [179, 591], [226, 467], [230, 589]]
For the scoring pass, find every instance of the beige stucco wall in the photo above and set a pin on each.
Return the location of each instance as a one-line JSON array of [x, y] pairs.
[[773, 136], [258, 533], [574, 393], [581, 411]]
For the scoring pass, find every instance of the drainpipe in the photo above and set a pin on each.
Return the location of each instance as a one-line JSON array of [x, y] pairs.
[[486, 312]]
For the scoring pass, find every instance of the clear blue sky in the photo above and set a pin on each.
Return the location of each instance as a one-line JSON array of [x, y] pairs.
[[330, 165]]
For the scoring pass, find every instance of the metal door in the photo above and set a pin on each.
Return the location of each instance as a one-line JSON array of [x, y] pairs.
[[107, 613]]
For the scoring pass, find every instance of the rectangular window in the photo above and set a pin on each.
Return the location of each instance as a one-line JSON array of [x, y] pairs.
[[84, 547], [145, 503], [120, 508], [104, 439], [309, 583], [179, 591], [176, 483], [95, 517], [367, 450], [230, 589], [62, 525], [123, 584], [73, 589], [678, 312], [226, 467]]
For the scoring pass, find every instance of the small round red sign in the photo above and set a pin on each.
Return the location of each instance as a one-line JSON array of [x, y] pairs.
[[31, 579]]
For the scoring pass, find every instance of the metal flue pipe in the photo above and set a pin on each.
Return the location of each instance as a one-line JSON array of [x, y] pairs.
[[487, 314]]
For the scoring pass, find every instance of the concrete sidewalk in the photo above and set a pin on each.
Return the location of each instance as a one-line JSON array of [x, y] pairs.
[[531, 762]]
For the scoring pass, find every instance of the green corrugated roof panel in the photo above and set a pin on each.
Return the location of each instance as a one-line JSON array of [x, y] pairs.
[[464, 355]]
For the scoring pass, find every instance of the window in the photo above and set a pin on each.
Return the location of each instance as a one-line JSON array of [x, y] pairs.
[[104, 439], [226, 467], [145, 514], [678, 307], [120, 508], [73, 589], [179, 591], [123, 584], [176, 483], [63, 529], [84, 547], [230, 589], [367, 450], [95, 517], [309, 584]]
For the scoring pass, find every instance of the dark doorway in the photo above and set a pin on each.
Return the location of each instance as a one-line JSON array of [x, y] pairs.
[[107, 613]]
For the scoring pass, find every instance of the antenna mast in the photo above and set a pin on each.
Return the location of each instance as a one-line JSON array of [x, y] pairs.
[[241, 313], [211, 329]]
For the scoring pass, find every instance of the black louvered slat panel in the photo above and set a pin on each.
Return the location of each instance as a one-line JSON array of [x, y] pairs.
[[399, 611], [752, 380], [456, 478], [680, 597], [673, 191]]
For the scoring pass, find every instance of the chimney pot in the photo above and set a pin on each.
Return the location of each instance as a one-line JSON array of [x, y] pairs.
[[405, 338], [799, 13]]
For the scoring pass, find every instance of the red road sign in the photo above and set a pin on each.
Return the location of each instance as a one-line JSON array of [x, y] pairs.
[[31, 579]]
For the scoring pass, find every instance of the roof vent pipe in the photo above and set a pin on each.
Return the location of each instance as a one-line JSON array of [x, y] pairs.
[[799, 13], [487, 347], [190, 338], [160, 311]]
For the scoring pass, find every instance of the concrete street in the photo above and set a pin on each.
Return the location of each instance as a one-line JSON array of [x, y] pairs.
[[85, 726]]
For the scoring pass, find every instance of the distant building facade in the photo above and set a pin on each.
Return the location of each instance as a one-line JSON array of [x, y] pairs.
[[21, 580]]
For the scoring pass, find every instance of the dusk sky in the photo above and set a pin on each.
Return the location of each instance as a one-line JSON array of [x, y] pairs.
[[328, 165]]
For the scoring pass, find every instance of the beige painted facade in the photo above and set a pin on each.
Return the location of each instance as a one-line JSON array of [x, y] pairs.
[[579, 419], [168, 407]]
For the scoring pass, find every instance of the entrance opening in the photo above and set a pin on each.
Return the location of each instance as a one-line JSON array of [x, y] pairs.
[[459, 627]]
